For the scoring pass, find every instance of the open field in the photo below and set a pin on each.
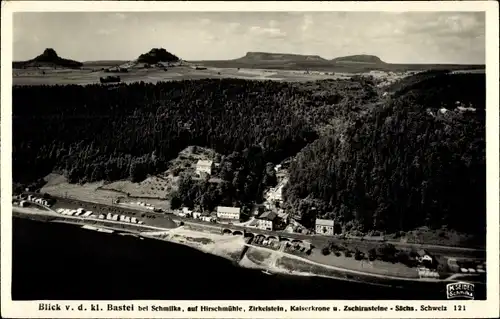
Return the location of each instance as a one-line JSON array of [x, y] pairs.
[[91, 75], [329, 66], [153, 75], [57, 185], [376, 266], [153, 187], [258, 256], [444, 237], [161, 186]]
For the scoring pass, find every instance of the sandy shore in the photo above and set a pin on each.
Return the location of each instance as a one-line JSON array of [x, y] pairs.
[[235, 249], [227, 246]]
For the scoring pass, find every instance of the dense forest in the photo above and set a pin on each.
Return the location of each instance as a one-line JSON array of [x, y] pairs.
[[157, 55], [402, 165], [374, 163], [99, 132]]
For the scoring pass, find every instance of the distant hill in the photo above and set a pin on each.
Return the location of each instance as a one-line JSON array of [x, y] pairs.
[[48, 58], [157, 55], [276, 57], [105, 63], [362, 58], [346, 64]]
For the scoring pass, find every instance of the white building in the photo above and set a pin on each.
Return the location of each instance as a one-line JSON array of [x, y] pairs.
[[87, 214], [186, 211], [276, 194], [207, 218], [424, 256], [78, 212], [266, 221], [23, 203], [285, 217], [204, 167], [228, 212], [324, 226]]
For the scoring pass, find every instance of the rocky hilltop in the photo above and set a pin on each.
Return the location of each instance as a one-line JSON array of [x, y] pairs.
[[157, 55], [361, 58], [48, 58], [280, 57]]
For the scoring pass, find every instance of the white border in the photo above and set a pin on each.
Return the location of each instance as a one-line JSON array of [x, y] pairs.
[[477, 309]]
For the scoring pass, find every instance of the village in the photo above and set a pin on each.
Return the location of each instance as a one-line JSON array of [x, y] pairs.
[[268, 216], [272, 227]]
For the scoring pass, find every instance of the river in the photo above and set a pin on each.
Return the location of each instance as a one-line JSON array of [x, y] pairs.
[[65, 262]]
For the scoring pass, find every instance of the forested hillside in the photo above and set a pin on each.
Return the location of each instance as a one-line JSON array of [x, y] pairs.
[[371, 162], [96, 132], [403, 165]]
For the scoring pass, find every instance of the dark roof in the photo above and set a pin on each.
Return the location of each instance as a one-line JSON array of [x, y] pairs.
[[422, 252], [268, 216]]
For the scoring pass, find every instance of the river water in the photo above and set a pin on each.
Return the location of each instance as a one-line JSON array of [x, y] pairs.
[[66, 262]]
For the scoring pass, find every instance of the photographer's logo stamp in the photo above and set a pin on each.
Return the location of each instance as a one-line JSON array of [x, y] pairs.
[[462, 290]]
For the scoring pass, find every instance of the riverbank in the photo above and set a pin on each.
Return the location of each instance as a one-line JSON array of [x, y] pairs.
[[237, 249], [225, 246], [54, 261]]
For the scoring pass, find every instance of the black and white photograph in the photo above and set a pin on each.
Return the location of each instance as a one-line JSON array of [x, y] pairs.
[[249, 155]]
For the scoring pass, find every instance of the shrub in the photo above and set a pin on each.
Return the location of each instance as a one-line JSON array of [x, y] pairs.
[[359, 255], [325, 251], [372, 254]]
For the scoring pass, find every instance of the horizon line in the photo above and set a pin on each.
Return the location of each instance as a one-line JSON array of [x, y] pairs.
[[270, 52]]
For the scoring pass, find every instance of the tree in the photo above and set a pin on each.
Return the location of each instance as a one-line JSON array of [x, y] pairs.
[[325, 251], [372, 254], [175, 201], [137, 173], [390, 167], [387, 252], [358, 255]]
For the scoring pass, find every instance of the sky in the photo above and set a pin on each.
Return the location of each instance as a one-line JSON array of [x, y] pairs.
[[395, 37]]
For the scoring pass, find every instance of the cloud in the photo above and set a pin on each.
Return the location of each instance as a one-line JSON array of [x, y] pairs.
[[307, 22], [267, 32], [273, 24], [233, 25], [205, 21], [207, 37], [120, 16], [106, 31], [446, 24]]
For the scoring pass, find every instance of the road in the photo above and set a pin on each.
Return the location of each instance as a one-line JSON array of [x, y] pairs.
[[322, 240], [278, 253]]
